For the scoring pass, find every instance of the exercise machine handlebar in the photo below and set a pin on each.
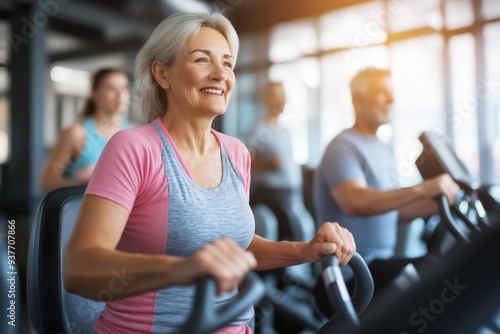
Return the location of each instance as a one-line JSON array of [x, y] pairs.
[[347, 309], [205, 319]]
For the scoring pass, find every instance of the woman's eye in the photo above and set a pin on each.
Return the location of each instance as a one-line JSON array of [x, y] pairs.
[[201, 60], [228, 64]]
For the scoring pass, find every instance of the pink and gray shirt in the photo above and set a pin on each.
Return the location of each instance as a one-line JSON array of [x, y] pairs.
[[142, 170]]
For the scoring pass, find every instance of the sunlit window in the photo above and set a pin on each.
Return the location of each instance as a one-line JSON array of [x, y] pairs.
[[463, 84], [4, 80], [489, 88], [289, 41], [355, 26], [4, 110], [298, 78], [490, 9], [66, 75], [417, 67], [337, 70], [317, 57], [4, 131], [458, 13], [407, 15], [244, 105], [249, 108]]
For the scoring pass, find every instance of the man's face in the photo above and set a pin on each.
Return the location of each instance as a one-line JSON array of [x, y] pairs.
[[373, 106], [275, 99]]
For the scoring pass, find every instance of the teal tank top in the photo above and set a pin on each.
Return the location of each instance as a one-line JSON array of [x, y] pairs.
[[92, 149]]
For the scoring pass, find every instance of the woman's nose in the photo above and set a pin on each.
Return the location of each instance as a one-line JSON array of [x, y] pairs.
[[218, 73]]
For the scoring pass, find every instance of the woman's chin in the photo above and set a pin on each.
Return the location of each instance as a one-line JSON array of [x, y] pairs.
[[216, 111]]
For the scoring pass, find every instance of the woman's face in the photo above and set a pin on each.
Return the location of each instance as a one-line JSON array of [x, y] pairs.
[[112, 93], [202, 76]]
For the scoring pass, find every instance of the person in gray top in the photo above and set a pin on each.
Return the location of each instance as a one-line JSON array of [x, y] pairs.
[[272, 154], [276, 177], [356, 182]]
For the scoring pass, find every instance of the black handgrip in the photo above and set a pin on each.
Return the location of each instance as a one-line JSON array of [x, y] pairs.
[[449, 221], [347, 309], [364, 286], [205, 319], [338, 294], [473, 228], [329, 261]]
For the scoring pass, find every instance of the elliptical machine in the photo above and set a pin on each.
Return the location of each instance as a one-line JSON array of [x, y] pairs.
[[297, 311], [460, 293], [470, 217]]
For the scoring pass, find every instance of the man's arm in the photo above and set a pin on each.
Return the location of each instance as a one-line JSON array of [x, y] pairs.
[[355, 198], [422, 208]]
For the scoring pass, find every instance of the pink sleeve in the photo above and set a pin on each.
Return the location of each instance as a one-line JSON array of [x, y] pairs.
[[246, 176], [119, 172]]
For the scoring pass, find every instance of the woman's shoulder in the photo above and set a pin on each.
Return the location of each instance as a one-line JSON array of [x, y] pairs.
[[235, 149], [230, 143], [140, 138], [73, 133], [142, 134]]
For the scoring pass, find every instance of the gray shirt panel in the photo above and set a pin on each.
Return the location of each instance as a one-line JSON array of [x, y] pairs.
[[198, 216], [270, 140], [352, 156]]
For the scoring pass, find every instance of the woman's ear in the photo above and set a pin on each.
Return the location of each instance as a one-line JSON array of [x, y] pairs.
[[160, 73]]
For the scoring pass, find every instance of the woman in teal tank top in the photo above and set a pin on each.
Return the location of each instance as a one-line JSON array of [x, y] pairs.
[[79, 146]]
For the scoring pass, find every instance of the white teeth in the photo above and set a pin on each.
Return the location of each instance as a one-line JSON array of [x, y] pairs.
[[212, 91]]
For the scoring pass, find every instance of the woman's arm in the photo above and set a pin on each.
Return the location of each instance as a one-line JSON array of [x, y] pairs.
[[68, 145], [95, 270], [331, 238]]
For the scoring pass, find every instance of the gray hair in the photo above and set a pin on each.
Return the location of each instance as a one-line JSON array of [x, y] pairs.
[[164, 44], [359, 82]]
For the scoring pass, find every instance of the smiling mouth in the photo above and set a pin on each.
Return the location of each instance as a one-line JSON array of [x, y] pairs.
[[212, 91]]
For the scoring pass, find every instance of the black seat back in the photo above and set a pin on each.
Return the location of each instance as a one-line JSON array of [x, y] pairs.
[[266, 224], [50, 307]]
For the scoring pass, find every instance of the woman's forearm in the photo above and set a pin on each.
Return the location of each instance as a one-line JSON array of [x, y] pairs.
[[102, 274], [271, 255]]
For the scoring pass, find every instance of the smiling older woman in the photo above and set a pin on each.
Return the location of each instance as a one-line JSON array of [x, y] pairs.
[[168, 201]]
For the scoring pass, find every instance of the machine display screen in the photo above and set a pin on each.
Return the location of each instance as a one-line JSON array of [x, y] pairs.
[[437, 157]]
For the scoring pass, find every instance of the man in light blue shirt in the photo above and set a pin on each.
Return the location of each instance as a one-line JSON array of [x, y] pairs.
[[357, 184]]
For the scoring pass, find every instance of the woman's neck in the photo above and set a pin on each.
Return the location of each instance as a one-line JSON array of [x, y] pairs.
[[192, 134]]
